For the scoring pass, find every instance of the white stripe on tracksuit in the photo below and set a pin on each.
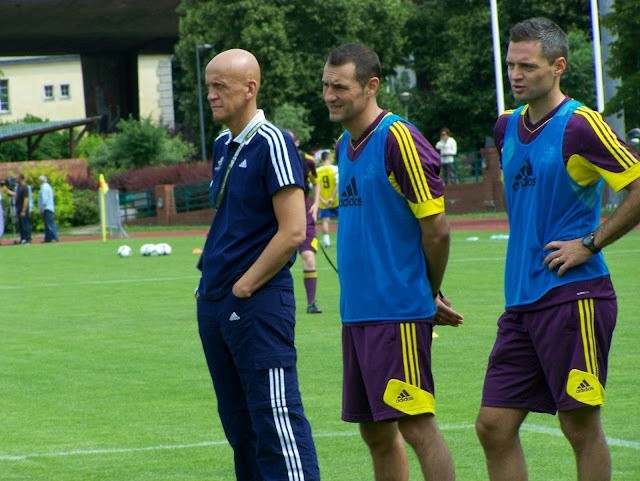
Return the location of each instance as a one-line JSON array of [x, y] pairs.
[[283, 424], [279, 154]]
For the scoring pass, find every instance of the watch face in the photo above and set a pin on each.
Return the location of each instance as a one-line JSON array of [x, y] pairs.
[[587, 241]]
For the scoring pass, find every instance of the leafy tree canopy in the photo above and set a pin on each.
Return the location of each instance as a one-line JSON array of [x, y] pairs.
[[448, 43], [624, 21], [291, 40]]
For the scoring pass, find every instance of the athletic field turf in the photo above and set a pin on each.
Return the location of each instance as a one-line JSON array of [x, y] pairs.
[[102, 376]]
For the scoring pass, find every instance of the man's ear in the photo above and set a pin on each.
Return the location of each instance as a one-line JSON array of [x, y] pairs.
[[371, 89], [252, 88], [560, 65]]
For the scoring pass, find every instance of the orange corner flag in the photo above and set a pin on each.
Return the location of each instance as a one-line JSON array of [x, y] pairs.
[[104, 187]]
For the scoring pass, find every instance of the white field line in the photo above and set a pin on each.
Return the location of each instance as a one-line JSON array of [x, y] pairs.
[[77, 452], [557, 432], [195, 276], [99, 282]]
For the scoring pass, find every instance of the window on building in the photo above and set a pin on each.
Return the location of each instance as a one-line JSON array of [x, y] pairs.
[[48, 92], [65, 91], [4, 95]]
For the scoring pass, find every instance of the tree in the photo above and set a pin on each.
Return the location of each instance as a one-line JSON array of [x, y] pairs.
[[452, 44], [578, 79], [624, 21], [294, 117], [447, 42], [291, 41]]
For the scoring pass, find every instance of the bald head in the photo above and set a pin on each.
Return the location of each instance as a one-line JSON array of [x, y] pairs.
[[233, 81], [239, 63]]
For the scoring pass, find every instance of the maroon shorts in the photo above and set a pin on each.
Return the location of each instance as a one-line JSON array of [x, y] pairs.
[[310, 242], [552, 359], [372, 354]]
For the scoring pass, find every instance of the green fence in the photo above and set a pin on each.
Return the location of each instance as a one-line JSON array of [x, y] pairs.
[[187, 197], [468, 167], [137, 204], [193, 196]]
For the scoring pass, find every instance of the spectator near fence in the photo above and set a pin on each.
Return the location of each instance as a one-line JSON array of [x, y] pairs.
[[448, 148]]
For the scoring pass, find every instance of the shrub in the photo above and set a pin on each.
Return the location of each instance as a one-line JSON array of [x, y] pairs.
[[138, 144], [62, 193], [86, 209], [89, 145], [149, 177], [81, 182]]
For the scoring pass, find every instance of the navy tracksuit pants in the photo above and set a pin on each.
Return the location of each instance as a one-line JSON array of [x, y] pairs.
[[249, 348]]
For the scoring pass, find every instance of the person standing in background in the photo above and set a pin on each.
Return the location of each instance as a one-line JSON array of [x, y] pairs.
[[1, 217], [328, 179], [47, 207], [23, 209], [448, 148], [309, 247]]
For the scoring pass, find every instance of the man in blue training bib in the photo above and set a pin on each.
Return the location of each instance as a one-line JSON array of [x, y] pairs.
[[553, 340], [393, 248]]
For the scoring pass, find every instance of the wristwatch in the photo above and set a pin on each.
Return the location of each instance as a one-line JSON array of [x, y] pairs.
[[587, 241]]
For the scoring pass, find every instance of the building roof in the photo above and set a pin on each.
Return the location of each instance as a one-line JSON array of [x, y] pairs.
[[51, 27], [20, 130]]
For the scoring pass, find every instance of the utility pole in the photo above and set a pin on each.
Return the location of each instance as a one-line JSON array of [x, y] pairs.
[[206, 47]]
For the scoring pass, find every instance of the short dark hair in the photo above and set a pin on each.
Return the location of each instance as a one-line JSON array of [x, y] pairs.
[[365, 60], [540, 29]]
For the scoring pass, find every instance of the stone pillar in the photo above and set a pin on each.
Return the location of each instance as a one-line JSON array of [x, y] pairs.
[[165, 204], [493, 176]]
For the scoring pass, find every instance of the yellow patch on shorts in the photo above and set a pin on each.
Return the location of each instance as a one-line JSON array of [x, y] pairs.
[[408, 398], [585, 387]]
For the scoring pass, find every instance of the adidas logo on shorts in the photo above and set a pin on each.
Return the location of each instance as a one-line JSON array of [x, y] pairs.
[[584, 387], [404, 396]]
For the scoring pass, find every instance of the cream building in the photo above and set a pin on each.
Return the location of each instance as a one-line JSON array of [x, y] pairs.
[[47, 87], [52, 88], [155, 88]]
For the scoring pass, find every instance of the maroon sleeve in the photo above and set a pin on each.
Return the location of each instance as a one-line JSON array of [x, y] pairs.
[[416, 151]]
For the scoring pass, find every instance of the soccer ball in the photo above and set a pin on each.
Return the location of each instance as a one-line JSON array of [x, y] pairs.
[[146, 249], [164, 249], [124, 251]]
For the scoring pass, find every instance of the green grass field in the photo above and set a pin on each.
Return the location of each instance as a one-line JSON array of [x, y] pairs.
[[102, 376]]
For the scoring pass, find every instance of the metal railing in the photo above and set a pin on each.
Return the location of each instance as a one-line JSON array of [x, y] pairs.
[[192, 196], [187, 197], [467, 168], [137, 204]]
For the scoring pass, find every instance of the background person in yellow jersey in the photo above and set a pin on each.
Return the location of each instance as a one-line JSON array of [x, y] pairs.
[[328, 192], [393, 238], [309, 246], [553, 340]]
